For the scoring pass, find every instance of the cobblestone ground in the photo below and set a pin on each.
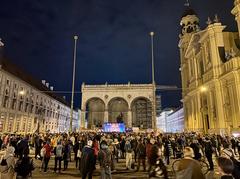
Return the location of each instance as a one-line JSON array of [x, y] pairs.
[[120, 172]]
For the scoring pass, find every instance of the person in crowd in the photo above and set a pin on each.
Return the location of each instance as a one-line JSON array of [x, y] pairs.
[[141, 154], [78, 152], [196, 149], [188, 167], [167, 151], [128, 149], [105, 161], [134, 147], [159, 170], [238, 146], [58, 152], [7, 164], [234, 144], [66, 155], [226, 167], [149, 146], [24, 166], [46, 155], [208, 152], [122, 146], [22, 145], [88, 161], [116, 151]]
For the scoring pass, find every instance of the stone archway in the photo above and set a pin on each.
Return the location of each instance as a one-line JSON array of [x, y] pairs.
[[141, 113], [118, 110], [95, 108]]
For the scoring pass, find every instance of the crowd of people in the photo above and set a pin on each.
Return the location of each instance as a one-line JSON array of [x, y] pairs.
[[151, 151]]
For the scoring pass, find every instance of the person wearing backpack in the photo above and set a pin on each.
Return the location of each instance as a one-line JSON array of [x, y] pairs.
[[58, 152], [7, 164], [24, 166], [104, 157]]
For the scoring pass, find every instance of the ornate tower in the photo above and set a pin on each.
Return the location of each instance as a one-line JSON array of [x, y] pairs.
[[236, 13], [189, 25]]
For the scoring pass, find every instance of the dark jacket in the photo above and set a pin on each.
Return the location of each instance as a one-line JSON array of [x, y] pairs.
[[88, 160]]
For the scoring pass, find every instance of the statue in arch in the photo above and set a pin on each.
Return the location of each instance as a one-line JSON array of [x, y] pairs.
[[120, 118]]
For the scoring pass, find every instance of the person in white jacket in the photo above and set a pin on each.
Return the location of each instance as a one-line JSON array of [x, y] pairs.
[[7, 171]]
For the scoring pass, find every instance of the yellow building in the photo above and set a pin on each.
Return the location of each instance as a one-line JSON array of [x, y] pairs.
[[210, 71]]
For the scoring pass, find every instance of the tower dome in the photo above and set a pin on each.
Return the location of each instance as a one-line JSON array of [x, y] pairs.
[[189, 21]]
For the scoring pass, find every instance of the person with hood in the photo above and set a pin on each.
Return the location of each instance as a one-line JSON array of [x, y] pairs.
[[7, 164], [88, 160], [104, 157]]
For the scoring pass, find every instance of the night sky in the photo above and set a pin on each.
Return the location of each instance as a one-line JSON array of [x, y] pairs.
[[113, 46]]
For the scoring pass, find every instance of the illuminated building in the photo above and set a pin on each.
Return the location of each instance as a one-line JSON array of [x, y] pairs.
[[210, 71]]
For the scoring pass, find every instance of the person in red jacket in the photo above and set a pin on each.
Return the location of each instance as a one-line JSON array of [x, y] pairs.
[[47, 155], [148, 152]]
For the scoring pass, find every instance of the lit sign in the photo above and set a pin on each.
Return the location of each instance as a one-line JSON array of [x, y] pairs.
[[114, 127]]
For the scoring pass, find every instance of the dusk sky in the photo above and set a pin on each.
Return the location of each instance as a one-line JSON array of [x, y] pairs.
[[114, 42]]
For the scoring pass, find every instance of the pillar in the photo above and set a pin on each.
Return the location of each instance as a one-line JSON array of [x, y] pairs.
[[106, 115], [83, 116], [129, 122]]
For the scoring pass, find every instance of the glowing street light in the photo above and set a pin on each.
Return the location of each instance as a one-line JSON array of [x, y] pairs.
[[203, 89], [22, 92]]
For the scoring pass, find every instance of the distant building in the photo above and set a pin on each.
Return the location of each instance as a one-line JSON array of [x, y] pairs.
[[162, 119], [130, 103], [27, 105], [158, 104], [210, 71], [175, 121]]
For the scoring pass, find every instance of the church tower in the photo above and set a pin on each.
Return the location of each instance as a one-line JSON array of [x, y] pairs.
[[189, 25], [236, 13]]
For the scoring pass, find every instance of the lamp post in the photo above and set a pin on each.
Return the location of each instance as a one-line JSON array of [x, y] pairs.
[[73, 81], [153, 82]]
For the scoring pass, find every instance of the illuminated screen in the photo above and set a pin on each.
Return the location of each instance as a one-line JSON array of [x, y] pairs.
[[114, 127]]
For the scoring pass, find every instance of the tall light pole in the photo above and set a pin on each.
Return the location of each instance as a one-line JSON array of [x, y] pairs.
[[73, 80], [153, 83]]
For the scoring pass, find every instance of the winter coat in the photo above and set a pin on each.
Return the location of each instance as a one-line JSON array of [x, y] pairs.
[[88, 161]]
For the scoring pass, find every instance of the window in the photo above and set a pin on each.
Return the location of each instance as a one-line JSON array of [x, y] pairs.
[[8, 82]]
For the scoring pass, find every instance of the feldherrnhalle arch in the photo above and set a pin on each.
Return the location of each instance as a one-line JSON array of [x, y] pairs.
[[131, 103]]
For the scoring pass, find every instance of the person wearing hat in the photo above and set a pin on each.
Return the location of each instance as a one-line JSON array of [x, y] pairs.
[[88, 160], [105, 161]]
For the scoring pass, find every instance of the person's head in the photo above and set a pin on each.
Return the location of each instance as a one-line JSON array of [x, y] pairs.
[[225, 165], [188, 152], [104, 145], [90, 143]]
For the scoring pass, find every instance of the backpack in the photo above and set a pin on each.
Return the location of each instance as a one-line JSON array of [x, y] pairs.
[[43, 152], [79, 153], [3, 165], [59, 151], [24, 167], [142, 150]]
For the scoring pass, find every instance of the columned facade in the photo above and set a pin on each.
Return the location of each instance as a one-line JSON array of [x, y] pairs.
[[128, 103], [210, 71]]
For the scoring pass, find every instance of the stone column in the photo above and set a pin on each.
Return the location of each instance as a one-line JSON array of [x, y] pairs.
[[129, 122], [106, 115], [83, 116]]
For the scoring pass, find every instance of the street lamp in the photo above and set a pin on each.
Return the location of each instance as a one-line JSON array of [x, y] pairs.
[[73, 81], [153, 82], [203, 89], [22, 92]]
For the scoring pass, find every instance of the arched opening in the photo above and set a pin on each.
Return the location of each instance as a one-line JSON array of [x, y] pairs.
[[118, 110], [142, 113], [95, 108]]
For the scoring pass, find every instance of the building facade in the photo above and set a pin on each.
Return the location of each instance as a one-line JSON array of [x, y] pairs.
[[27, 105], [210, 71], [175, 121], [133, 104], [162, 119]]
